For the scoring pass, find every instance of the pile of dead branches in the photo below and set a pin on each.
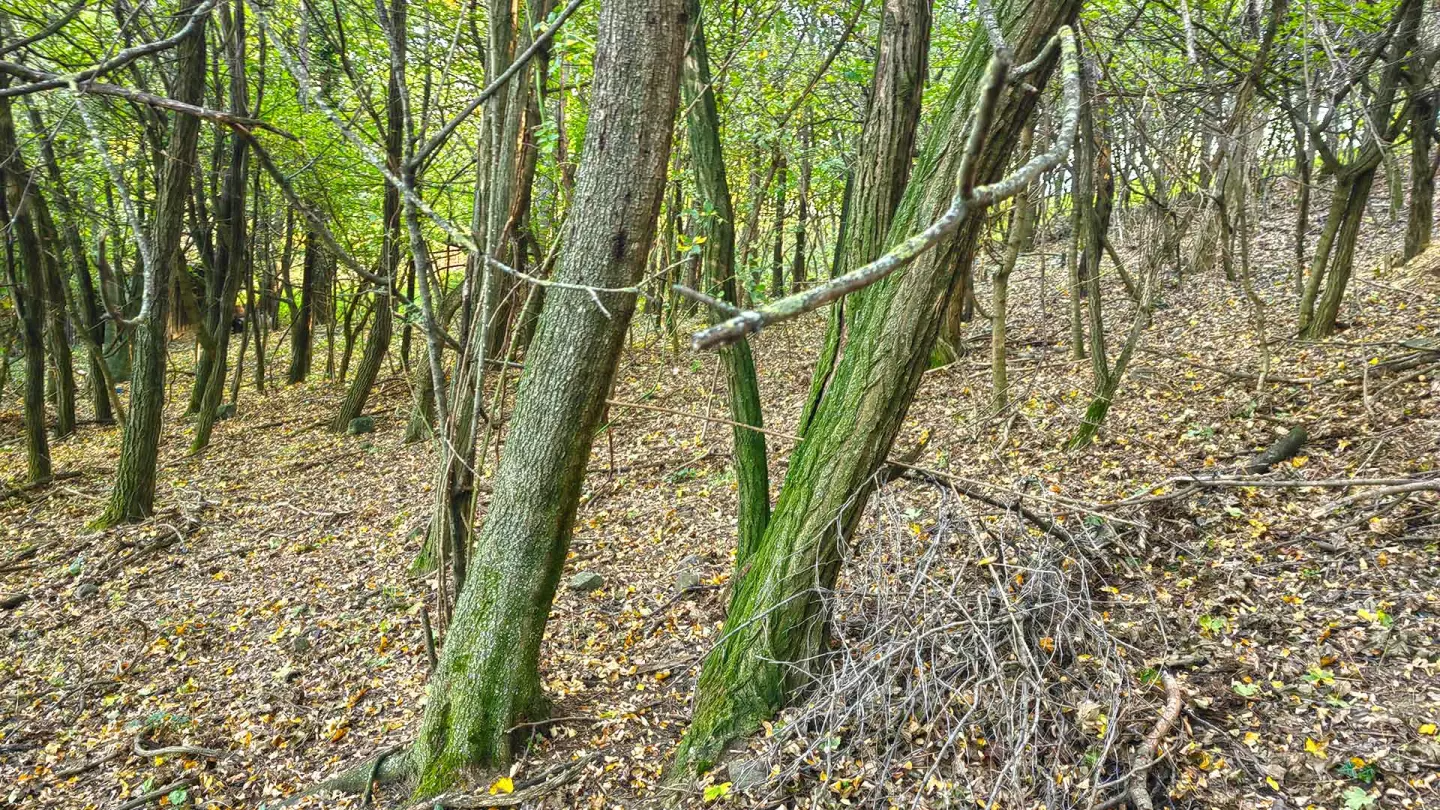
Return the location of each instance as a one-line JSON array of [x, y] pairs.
[[970, 666]]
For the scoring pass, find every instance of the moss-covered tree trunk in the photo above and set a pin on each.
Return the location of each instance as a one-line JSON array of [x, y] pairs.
[[775, 628], [882, 167], [488, 677], [133, 496], [26, 277], [718, 256]]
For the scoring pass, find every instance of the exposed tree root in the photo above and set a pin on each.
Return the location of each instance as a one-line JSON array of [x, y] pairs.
[[15, 492], [387, 767]]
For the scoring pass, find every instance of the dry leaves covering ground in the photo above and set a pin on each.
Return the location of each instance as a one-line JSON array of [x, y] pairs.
[[265, 621]]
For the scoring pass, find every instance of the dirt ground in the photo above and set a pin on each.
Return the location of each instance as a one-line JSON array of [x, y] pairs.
[[265, 621]]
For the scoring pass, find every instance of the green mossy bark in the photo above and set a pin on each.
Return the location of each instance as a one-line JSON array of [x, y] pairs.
[[776, 625], [487, 680], [874, 189], [752, 472], [62, 368], [27, 279]]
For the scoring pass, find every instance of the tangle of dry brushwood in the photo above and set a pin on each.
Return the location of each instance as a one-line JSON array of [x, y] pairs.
[[971, 666]]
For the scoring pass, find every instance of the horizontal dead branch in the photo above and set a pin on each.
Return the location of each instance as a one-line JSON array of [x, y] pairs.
[[1190, 484], [1425, 485], [968, 199], [34, 485], [176, 750]]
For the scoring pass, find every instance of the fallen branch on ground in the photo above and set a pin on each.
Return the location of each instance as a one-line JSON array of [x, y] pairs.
[[528, 791], [961, 488], [1145, 755], [34, 485], [1423, 485], [1189, 484], [390, 765], [176, 750], [164, 790]]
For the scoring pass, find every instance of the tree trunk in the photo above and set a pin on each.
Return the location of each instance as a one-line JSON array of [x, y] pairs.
[[777, 260], [1335, 254], [230, 223], [802, 213], [302, 313], [718, 255], [28, 290], [1072, 266], [877, 181], [776, 625], [88, 310], [1352, 190], [377, 344], [57, 334], [1022, 224], [487, 680], [134, 494], [1421, 213]]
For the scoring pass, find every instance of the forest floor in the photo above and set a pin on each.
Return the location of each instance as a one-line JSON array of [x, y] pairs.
[[267, 612]]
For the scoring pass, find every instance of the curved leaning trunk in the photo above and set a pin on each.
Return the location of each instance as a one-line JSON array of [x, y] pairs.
[[752, 473], [777, 624], [377, 344], [487, 680]]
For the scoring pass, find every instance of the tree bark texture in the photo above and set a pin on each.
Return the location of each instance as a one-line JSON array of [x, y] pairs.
[[487, 680]]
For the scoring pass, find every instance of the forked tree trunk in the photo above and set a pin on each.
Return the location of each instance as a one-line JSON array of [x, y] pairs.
[[1334, 258], [877, 181], [230, 223], [487, 680], [1335, 253], [718, 256], [134, 494], [776, 626]]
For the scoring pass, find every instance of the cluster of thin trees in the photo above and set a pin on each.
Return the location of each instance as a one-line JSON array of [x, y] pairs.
[[166, 171]]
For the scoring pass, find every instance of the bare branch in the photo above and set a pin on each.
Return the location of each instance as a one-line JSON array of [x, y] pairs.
[[965, 200], [540, 42], [45, 32], [194, 22]]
